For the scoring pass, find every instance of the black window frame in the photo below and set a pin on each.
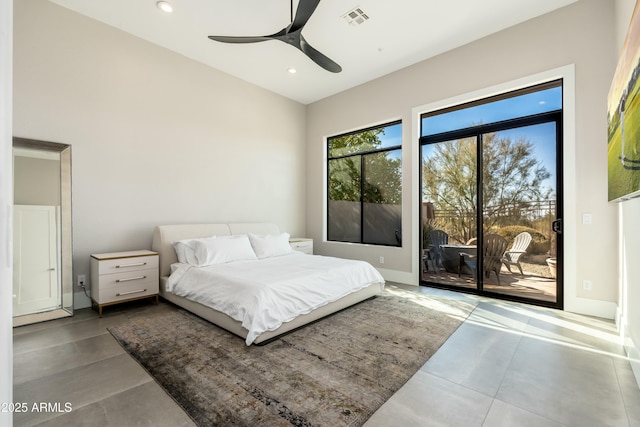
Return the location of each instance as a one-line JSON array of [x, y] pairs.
[[476, 131], [362, 160]]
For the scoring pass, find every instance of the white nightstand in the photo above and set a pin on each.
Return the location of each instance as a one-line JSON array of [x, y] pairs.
[[123, 276], [302, 244]]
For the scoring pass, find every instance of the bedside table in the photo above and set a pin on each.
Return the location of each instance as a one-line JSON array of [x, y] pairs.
[[123, 276], [302, 244]]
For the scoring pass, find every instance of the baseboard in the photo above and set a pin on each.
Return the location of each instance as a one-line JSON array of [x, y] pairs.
[[403, 277], [591, 307], [634, 355], [80, 300], [630, 348], [619, 318]]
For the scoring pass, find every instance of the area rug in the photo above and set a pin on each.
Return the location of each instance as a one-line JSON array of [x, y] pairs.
[[334, 372]]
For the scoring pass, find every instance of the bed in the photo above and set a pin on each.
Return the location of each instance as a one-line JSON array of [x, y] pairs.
[[347, 282]]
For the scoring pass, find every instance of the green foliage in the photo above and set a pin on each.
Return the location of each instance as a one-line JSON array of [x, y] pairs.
[[512, 176], [382, 171], [539, 242], [344, 179], [449, 181], [382, 179], [354, 143]]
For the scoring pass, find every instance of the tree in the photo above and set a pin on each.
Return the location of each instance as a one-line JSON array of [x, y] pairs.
[[365, 189], [382, 171], [358, 142], [511, 177]]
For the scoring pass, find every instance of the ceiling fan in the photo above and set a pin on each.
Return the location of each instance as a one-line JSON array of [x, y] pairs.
[[292, 35]]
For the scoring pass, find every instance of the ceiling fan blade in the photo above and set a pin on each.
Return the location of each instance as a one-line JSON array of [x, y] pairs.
[[292, 35], [318, 57], [303, 13], [233, 39]]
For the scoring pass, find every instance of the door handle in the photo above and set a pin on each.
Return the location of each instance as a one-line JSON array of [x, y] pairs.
[[556, 226]]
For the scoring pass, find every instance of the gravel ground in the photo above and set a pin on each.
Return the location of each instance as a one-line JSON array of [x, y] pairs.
[[535, 267]]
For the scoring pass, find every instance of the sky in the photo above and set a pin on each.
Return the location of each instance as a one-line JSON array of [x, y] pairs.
[[542, 136], [392, 136], [520, 106]]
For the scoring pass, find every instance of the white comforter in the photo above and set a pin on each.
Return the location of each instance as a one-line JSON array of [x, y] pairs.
[[265, 293]]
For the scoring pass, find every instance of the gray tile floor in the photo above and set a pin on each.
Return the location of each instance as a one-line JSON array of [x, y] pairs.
[[511, 364], [507, 365]]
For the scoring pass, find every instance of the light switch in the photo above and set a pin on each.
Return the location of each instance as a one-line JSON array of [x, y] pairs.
[[586, 218]]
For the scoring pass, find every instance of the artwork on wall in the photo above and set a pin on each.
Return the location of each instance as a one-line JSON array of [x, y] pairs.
[[624, 119]]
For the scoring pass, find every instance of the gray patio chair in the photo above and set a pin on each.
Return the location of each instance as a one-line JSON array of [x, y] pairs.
[[434, 253], [492, 249], [519, 248]]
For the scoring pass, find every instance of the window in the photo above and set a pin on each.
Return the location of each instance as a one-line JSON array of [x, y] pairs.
[[491, 174], [526, 102], [364, 170]]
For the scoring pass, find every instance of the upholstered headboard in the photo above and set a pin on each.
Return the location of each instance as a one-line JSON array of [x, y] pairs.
[[165, 235]]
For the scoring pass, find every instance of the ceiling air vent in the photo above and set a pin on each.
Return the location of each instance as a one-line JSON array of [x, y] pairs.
[[355, 17]]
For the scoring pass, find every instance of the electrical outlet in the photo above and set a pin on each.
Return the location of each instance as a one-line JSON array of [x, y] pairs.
[[82, 280], [381, 260], [586, 285]]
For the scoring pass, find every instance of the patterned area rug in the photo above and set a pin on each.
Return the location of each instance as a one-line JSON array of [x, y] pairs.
[[335, 372]]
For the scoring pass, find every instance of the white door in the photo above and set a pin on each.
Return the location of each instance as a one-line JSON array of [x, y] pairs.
[[35, 262]]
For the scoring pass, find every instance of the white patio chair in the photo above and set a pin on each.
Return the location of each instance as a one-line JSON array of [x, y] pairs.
[[519, 248]]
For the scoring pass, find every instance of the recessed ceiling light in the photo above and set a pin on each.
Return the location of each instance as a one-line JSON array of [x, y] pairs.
[[165, 6], [292, 70]]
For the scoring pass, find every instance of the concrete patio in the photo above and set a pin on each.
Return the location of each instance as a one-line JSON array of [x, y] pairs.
[[536, 283]]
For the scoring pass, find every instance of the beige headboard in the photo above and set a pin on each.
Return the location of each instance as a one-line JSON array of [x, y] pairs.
[[165, 235]]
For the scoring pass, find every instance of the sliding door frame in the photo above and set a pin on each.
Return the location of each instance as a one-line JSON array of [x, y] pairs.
[[477, 133]]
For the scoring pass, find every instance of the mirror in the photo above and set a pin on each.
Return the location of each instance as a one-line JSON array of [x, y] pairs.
[[42, 236]]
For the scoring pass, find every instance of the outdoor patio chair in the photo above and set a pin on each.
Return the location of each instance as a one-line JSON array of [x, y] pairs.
[[519, 248], [492, 249], [434, 253]]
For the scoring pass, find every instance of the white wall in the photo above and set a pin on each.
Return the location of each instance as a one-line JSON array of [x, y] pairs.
[[581, 34], [629, 234], [156, 138], [6, 191]]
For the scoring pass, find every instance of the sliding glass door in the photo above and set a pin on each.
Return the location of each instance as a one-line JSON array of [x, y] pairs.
[[491, 206], [519, 193], [449, 209]]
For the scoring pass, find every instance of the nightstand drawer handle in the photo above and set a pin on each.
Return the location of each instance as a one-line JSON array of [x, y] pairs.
[[131, 278], [131, 265], [119, 294]]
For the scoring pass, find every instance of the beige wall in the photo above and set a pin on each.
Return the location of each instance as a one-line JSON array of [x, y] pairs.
[[629, 235], [580, 34], [6, 191], [156, 138]]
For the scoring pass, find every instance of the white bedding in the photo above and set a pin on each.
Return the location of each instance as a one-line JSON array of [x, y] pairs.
[[265, 293]]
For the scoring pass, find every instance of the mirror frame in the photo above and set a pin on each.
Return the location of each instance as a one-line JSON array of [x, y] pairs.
[[66, 222]]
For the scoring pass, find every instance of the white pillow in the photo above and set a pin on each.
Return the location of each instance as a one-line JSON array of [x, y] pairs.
[[223, 249], [271, 245], [185, 250]]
